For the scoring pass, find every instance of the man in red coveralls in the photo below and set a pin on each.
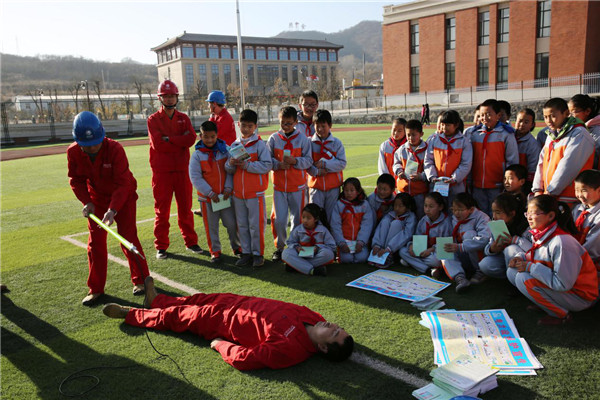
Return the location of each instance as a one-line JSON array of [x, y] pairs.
[[221, 117], [100, 178], [248, 332], [171, 136]]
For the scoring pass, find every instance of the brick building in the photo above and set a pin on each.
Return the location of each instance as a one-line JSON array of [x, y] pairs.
[[435, 45], [210, 62]]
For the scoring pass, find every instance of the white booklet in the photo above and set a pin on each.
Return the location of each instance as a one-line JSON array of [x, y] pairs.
[[239, 152], [222, 204]]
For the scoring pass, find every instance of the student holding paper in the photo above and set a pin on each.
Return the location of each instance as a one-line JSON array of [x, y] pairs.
[[214, 186], [557, 274], [310, 246], [409, 165], [470, 234], [435, 223], [510, 234], [395, 229], [587, 214]]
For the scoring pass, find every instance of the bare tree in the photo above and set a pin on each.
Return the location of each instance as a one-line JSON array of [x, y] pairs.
[[37, 100], [98, 89], [139, 88]]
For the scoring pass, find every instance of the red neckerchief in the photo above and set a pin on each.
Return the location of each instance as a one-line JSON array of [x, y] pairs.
[[311, 234], [581, 220], [428, 227], [324, 150], [449, 148], [250, 143], [401, 217], [211, 153], [486, 137], [287, 140], [396, 144], [455, 233], [415, 155], [348, 206], [537, 235], [384, 204]]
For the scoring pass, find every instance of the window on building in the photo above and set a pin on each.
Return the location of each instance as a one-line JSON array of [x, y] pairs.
[[187, 52], [189, 76], [450, 33], [313, 55], [261, 75], [201, 51], [237, 74], [168, 55], [450, 75], [332, 55], [314, 71], [227, 75], [176, 49], [295, 75], [284, 73], [261, 53], [503, 19], [414, 39], [414, 80], [226, 52], [248, 53], [202, 76], [272, 53], [322, 55], [541, 65], [543, 18], [323, 76], [483, 28], [283, 54], [483, 72], [294, 54], [234, 52], [304, 72], [303, 55], [251, 75], [502, 71], [213, 52], [214, 69]]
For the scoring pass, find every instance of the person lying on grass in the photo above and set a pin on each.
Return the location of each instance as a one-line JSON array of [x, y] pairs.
[[248, 332]]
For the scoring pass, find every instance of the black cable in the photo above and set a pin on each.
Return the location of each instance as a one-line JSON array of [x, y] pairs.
[[95, 378]]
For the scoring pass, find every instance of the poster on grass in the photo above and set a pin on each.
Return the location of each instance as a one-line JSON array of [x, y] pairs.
[[399, 285]]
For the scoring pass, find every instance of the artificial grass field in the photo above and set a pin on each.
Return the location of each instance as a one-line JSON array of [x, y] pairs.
[[47, 334]]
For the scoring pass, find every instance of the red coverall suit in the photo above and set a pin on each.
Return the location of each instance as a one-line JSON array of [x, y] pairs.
[[225, 126], [107, 183], [170, 161], [266, 333]]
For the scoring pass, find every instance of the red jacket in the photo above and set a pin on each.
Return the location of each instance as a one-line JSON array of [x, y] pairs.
[[225, 126], [173, 155], [108, 181]]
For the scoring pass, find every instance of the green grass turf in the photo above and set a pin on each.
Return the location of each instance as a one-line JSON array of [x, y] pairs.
[[47, 334]]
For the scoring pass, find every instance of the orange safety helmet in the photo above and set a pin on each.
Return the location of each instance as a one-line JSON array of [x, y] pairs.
[[167, 87]]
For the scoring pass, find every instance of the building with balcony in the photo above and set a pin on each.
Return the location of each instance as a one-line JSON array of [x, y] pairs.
[[200, 63]]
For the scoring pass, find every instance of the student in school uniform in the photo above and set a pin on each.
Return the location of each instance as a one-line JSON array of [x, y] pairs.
[[494, 148], [382, 198], [449, 155], [214, 184], [476, 123], [250, 181], [586, 109], [308, 104], [329, 160], [587, 214], [557, 273], [291, 157], [409, 166], [529, 148], [569, 150], [397, 138]]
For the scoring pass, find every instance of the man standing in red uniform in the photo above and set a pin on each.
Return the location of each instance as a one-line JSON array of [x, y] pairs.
[[221, 117], [171, 136], [99, 176], [248, 332]]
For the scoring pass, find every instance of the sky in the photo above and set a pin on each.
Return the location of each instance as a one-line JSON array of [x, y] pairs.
[[115, 30]]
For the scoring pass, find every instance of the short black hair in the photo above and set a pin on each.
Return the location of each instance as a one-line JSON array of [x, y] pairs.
[[589, 177], [322, 116], [408, 201], [415, 125], [337, 352], [585, 102], [208, 126], [288, 112], [248, 115], [309, 93], [504, 105], [491, 103], [399, 121], [519, 170], [452, 117], [466, 199], [387, 179], [557, 103], [531, 113]]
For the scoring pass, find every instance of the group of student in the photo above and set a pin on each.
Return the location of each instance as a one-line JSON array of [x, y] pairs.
[[447, 186]]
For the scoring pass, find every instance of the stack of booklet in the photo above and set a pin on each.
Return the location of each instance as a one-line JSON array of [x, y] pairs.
[[463, 376], [429, 304]]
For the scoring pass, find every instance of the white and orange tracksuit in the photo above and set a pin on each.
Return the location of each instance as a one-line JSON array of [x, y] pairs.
[[441, 227], [416, 188], [250, 181], [587, 222], [529, 154], [324, 190], [290, 192], [394, 231], [306, 127], [320, 238], [385, 165], [353, 222], [208, 175], [560, 275]]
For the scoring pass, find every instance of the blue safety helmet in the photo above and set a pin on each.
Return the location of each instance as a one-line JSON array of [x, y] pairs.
[[217, 96], [87, 129]]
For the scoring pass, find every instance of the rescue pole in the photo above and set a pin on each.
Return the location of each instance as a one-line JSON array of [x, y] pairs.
[[120, 238]]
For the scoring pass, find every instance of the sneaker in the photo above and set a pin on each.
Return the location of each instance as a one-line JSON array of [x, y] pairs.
[[91, 299], [237, 252], [437, 273], [114, 310], [276, 255], [161, 254], [216, 259], [150, 292], [138, 289], [319, 271], [195, 249], [258, 261], [553, 321], [244, 261], [478, 277], [462, 283], [198, 212], [404, 263]]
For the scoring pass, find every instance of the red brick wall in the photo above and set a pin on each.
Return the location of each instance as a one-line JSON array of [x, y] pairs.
[[432, 57], [592, 55], [396, 58], [466, 48], [522, 33], [567, 33]]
